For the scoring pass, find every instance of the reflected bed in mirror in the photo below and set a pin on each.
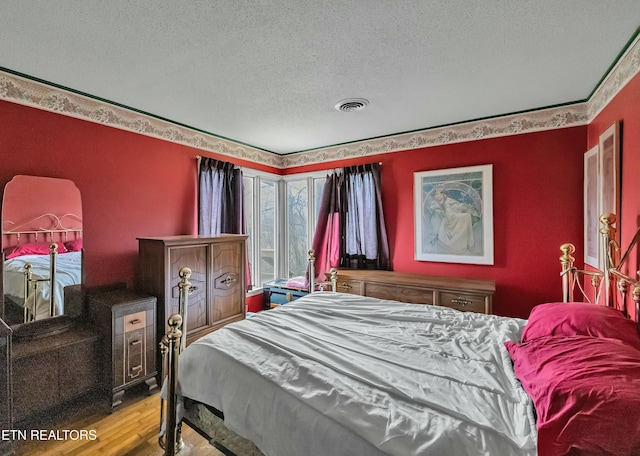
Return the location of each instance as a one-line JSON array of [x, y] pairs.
[[42, 248]]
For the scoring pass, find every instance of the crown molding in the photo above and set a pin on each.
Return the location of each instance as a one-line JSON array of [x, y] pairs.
[[575, 114], [38, 94], [546, 119], [624, 70]]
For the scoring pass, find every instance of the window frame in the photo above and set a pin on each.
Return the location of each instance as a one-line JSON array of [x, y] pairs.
[[310, 178], [281, 258]]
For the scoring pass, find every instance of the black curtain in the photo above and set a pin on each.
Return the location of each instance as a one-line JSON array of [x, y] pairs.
[[220, 198], [221, 201]]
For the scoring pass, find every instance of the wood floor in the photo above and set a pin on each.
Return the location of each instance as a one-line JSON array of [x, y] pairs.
[[131, 430]]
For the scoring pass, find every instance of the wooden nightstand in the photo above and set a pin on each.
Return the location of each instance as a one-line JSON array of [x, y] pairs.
[[126, 321]]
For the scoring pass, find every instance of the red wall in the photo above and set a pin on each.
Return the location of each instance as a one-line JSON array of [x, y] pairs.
[[537, 206], [131, 185], [625, 107]]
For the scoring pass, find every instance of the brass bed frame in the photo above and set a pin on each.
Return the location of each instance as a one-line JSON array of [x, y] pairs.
[[172, 344], [610, 285], [605, 284], [56, 232]]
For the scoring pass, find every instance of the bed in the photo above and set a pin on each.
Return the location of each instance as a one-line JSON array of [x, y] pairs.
[[41, 257], [348, 375]]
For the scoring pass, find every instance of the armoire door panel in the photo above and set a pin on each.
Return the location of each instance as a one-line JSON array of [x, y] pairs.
[[195, 258], [227, 299]]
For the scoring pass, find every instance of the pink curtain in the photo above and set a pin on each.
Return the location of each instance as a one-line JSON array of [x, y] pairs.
[[326, 239]]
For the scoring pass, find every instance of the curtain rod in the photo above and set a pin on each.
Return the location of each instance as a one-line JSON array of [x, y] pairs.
[[198, 157]]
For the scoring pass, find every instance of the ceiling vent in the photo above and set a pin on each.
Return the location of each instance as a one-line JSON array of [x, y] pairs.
[[352, 104]]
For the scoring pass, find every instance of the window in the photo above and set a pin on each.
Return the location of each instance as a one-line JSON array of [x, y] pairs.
[[281, 213], [297, 226], [268, 241]]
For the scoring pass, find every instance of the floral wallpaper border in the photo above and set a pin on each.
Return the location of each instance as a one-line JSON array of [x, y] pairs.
[[32, 93]]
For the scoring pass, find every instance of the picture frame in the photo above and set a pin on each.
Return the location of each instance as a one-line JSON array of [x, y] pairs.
[[591, 207], [453, 215], [609, 169]]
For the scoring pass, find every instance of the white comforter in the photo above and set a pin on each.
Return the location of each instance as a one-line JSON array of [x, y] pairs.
[[68, 272], [337, 374]]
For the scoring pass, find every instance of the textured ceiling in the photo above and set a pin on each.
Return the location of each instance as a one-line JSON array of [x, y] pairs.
[[268, 73]]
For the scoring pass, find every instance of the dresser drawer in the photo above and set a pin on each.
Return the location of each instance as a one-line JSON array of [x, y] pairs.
[[415, 295], [134, 321], [464, 302], [135, 355], [381, 291], [350, 286]]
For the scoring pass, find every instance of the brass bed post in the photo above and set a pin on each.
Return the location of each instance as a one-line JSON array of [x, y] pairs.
[[623, 288], [173, 440], [172, 344], [312, 270], [568, 272], [636, 300], [185, 288], [608, 250], [27, 291], [53, 253], [332, 276], [334, 279]]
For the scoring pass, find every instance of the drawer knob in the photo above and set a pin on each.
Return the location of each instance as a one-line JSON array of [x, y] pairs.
[[135, 321], [135, 342], [346, 286], [289, 296], [461, 301]]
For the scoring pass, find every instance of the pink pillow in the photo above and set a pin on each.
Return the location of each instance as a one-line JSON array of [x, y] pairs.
[[586, 392], [35, 248], [578, 318], [74, 245]]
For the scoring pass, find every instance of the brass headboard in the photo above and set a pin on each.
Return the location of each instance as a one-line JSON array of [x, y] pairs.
[[610, 284]]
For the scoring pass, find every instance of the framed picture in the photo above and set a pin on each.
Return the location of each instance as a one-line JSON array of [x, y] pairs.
[[454, 215], [591, 209], [609, 168]]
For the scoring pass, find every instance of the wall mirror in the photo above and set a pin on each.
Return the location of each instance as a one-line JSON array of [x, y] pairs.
[[39, 284]]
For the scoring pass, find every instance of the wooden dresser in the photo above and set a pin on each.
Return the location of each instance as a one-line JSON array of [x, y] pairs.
[[50, 371], [218, 279], [473, 295], [126, 320]]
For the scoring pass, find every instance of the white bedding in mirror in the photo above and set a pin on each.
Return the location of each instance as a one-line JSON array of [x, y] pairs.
[[68, 272], [342, 374]]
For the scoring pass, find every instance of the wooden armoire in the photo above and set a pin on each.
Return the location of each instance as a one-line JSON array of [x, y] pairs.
[[218, 279]]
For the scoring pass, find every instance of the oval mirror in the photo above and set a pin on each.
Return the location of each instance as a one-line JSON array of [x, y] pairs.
[[38, 212]]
